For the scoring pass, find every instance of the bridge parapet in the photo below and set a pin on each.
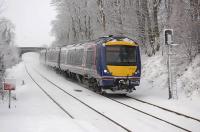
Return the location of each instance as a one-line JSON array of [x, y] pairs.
[[23, 50]]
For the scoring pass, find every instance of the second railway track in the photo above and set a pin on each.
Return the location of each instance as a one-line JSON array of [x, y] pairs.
[[160, 107]]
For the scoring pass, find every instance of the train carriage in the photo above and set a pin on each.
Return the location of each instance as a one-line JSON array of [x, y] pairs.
[[109, 64], [53, 57], [43, 56]]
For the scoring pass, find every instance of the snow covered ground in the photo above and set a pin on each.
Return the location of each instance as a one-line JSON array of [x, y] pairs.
[[34, 112], [154, 88]]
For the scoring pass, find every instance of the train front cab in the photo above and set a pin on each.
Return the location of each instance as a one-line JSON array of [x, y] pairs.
[[120, 66]]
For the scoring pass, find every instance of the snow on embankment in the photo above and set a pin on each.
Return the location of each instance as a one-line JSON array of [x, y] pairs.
[[155, 71], [154, 78], [189, 82]]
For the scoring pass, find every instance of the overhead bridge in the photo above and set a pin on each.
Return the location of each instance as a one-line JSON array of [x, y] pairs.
[[23, 50]]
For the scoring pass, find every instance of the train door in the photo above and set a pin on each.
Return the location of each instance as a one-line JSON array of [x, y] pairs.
[[90, 60]]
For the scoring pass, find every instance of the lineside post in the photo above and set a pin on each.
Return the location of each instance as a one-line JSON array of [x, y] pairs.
[[168, 34]]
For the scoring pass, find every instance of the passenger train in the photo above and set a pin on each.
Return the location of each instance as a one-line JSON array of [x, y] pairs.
[[108, 65]]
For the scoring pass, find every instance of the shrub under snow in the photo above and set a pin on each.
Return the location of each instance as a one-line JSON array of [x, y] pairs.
[[190, 80]]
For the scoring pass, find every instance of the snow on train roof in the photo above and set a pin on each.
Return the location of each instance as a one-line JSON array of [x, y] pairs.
[[100, 40]]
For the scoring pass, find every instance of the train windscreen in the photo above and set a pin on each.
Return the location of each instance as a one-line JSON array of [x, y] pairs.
[[120, 55]]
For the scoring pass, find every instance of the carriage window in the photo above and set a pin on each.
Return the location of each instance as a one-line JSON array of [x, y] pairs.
[[75, 57], [69, 57], [78, 57], [62, 57], [90, 58]]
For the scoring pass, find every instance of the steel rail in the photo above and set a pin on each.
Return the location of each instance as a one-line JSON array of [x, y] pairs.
[[150, 115], [65, 111], [175, 112]]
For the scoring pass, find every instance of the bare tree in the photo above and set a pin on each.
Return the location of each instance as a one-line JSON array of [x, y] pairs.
[[195, 16], [142, 20]]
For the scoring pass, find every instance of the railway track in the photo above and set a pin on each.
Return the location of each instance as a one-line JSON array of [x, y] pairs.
[[154, 105], [172, 111], [48, 95], [128, 106], [131, 107], [64, 110]]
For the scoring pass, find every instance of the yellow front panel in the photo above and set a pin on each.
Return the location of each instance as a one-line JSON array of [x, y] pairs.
[[122, 70], [121, 43]]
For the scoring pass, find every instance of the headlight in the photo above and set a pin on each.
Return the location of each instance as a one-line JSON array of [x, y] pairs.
[[137, 72], [105, 71]]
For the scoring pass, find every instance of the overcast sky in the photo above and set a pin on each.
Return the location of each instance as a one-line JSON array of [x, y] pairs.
[[32, 19]]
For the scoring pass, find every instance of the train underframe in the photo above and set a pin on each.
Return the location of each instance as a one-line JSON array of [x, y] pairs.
[[116, 86], [111, 86]]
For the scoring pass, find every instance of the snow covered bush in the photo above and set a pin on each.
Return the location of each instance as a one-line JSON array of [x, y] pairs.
[[154, 70], [190, 80]]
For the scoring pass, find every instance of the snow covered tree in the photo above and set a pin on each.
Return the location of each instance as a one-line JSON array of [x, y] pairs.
[[8, 52], [88, 19], [149, 33], [142, 20], [195, 20], [186, 27]]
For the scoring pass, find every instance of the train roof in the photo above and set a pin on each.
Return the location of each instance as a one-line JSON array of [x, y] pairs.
[[112, 37], [105, 39], [100, 40]]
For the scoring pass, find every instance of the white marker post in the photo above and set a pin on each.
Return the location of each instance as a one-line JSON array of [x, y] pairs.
[[9, 84]]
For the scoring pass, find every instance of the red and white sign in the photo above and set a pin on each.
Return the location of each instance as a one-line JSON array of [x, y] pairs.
[[9, 84]]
